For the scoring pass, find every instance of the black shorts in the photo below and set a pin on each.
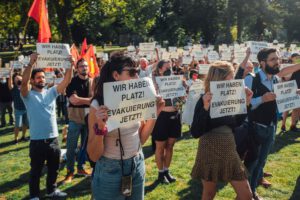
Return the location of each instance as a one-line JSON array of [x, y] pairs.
[[168, 125]]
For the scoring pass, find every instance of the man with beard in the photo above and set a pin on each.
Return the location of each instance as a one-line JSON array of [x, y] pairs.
[[40, 105], [79, 92], [264, 108]]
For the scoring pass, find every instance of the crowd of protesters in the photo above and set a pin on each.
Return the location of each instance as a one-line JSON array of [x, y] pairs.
[[116, 157]]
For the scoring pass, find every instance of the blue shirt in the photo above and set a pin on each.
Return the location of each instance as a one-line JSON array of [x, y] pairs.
[[41, 112], [255, 102]]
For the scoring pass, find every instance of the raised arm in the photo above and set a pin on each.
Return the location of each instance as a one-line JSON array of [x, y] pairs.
[[67, 79], [289, 70], [10, 81], [25, 86]]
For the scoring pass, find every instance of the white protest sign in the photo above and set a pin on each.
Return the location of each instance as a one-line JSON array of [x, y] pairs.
[[255, 47], [226, 55], [186, 60], [131, 48], [203, 68], [58, 80], [213, 56], [165, 55], [24, 60], [198, 55], [196, 89], [147, 46], [286, 96], [239, 56], [172, 49], [4, 72], [49, 76], [170, 86], [129, 102], [16, 64], [174, 54], [53, 55], [229, 98]]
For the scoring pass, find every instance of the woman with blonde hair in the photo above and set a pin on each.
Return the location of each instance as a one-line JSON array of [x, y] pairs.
[[217, 159]]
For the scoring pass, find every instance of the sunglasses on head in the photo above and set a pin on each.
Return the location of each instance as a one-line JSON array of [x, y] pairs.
[[133, 71]]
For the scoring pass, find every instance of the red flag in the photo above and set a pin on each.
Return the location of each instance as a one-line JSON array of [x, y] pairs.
[[74, 52], [92, 62], [84, 47], [39, 13]]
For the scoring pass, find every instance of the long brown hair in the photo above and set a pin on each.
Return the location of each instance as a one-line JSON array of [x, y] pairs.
[[218, 71]]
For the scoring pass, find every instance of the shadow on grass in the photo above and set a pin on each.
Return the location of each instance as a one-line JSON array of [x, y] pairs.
[[284, 139], [14, 150], [80, 189], [296, 192], [15, 184]]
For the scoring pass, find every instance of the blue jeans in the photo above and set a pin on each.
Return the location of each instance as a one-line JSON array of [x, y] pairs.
[[106, 183], [74, 131], [266, 136]]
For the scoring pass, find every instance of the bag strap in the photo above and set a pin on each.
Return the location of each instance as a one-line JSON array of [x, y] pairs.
[[122, 154]]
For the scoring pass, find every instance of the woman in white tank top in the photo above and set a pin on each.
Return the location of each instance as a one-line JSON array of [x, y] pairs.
[[120, 169]]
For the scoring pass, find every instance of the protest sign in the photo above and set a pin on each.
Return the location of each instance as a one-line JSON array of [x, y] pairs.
[[255, 47], [174, 54], [186, 60], [172, 49], [130, 48], [198, 55], [286, 96], [146, 47], [4, 72], [53, 55], [229, 98], [203, 68], [49, 76], [196, 89], [213, 56], [165, 55], [24, 60], [129, 101], [16, 64], [226, 55], [170, 86]]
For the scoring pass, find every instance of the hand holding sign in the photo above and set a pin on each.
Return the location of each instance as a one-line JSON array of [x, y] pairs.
[[102, 116], [160, 104], [269, 96], [249, 95], [207, 100]]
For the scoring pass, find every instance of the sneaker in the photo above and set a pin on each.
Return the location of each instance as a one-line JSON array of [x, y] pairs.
[[265, 183], [294, 129], [257, 197], [283, 128], [57, 193], [170, 178], [69, 177], [162, 179], [83, 172], [267, 174]]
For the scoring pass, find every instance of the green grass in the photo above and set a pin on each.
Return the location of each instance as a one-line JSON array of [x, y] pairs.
[[283, 163]]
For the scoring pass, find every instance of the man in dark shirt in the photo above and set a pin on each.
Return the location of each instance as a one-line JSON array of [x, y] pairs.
[[5, 102], [79, 94]]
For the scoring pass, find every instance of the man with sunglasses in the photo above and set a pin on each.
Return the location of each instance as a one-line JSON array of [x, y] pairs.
[[79, 93], [264, 109]]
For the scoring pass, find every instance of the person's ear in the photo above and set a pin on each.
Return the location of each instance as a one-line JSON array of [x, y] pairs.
[[116, 75]]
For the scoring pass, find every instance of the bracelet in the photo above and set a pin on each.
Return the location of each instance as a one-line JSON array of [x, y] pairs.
[[99, 131]]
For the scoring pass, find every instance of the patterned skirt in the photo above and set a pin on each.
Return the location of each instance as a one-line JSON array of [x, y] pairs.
[[217, 159]]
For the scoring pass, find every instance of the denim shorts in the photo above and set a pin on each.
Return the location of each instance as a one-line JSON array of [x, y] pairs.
[[20, 118], [106, 183]]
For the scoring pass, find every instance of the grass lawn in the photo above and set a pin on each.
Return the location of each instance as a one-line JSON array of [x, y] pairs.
[[283, 163]]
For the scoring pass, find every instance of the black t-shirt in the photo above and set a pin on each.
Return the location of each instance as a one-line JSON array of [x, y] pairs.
[[296, 76], [80, 87], [5, 95]]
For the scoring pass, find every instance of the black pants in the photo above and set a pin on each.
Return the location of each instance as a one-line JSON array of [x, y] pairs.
[[3, 107], [41, 151]]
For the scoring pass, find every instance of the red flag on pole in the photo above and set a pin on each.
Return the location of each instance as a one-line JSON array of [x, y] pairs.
[[84, 47], [39, 13], [74, 52], [90, 58]]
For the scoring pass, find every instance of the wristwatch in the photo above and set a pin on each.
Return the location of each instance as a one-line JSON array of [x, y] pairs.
[[99, 131]]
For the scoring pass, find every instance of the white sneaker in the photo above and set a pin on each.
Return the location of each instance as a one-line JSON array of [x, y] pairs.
[[57, 193], [35, 198]]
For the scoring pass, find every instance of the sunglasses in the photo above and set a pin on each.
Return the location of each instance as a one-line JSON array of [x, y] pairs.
[[133, 71]]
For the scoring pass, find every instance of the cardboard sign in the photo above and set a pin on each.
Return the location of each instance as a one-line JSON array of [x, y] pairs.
[[196, 89], [203, 68], [174, 54], [165, 55], [229, 98], [16, 64], [129, 102], [239, 56], [147, 46], [226, 55], [286, 96], [186, 60], [4, 72], [172, 49], [213, 56], [255, 47], [130, 48], [198, 55], [170, 86], [53, 55]]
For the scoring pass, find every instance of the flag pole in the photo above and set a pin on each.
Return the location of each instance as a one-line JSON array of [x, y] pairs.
[[19, 43]]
